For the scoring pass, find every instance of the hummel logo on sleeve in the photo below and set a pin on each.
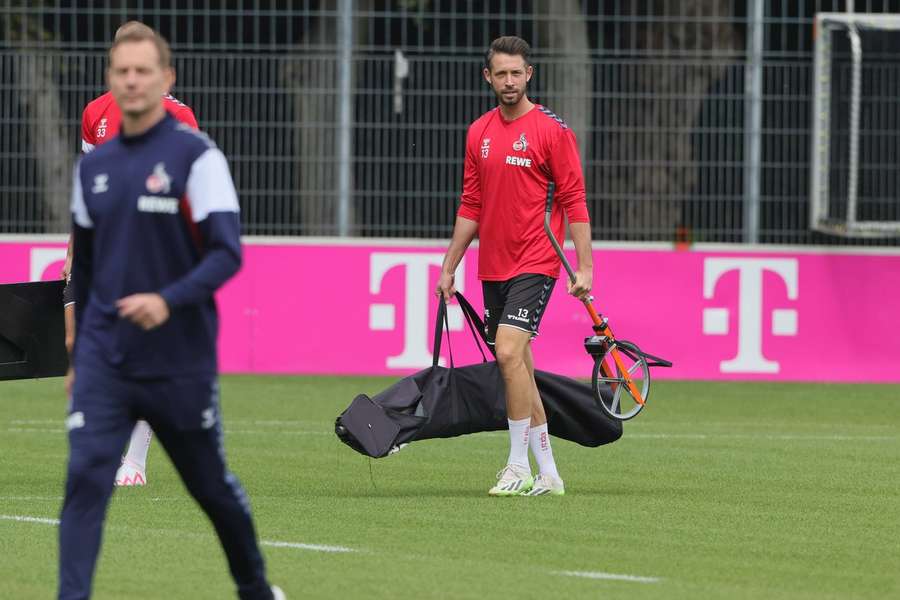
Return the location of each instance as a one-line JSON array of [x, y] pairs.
[[75, 421], [101, 183], [209, 418]]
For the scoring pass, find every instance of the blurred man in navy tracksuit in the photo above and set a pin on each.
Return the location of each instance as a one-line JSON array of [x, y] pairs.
[[156, 230]]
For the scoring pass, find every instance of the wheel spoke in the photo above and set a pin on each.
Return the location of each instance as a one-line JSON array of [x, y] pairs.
[[627, 373]]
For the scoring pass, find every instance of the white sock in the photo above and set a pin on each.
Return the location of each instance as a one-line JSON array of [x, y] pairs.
[[139, 445], [518, 443], [543, 453]]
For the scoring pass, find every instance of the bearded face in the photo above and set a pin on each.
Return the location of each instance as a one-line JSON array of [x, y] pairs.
[[509, 75]]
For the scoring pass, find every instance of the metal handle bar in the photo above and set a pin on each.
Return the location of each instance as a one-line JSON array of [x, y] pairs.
[[600, 324], [551, 189]]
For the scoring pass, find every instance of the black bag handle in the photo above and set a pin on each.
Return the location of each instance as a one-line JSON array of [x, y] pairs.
[[441, 324], [476, 325], [478, 334]]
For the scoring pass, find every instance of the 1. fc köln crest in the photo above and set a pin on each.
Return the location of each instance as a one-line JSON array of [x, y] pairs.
[[159, 181], [521, 144]]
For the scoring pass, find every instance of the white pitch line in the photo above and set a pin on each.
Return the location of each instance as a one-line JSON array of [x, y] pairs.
[[639, 436], [262, 423], [227, 431], [344, 549], [274, 432], [321, 425], [23, 519], [607, 576], [276, 422], [314, 547], [295, 545], [32, 498], [751, 436], [34, 430]]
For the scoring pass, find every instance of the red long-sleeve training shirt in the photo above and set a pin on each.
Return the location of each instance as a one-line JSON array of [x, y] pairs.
[[102, 118], [508, 165]]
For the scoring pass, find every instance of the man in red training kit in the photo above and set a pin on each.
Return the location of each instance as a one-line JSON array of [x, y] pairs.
[[100, 123], [512, 152]]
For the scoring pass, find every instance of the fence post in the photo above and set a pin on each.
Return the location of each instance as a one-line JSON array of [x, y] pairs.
[[346, 111], [753, 93]]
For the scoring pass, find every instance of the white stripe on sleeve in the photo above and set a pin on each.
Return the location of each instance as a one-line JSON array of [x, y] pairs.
[[86, 147], [79, 208], [210, 187]]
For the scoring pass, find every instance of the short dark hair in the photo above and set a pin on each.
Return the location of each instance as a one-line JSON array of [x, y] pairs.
[[135, 31], [508, 44]]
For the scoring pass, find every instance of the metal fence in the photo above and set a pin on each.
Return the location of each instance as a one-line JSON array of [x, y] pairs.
[[657, 92]]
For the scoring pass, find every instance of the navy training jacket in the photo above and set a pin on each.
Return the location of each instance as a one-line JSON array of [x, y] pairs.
[[156, 212]]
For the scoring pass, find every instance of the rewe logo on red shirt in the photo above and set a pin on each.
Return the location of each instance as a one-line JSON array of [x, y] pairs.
[[518, 161]]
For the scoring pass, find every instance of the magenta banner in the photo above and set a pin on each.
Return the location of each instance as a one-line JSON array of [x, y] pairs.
[[717, 312]]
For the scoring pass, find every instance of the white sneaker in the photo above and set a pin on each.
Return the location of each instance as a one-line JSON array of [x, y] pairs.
[[546, 485], [512, 481], [130, 475], [277, 594]]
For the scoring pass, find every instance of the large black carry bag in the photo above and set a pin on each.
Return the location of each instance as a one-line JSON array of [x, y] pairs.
[[441, 402], [32, 330]]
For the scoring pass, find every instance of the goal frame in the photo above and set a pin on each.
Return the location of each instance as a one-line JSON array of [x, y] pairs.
[[826, 25]]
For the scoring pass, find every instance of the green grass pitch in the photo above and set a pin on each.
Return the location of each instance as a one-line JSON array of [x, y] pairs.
[[718, 490]]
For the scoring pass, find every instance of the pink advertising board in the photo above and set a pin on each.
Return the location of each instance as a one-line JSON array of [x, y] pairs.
[[717, 312]]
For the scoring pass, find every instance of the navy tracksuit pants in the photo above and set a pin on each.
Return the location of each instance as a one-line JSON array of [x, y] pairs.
[[184, 415]]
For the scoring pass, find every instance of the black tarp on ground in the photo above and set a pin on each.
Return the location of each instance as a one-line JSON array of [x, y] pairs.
[[440, 402], [32, 330]]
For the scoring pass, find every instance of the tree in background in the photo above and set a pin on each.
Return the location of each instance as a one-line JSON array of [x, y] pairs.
[[570, 80], [34, 72], [648, 170]]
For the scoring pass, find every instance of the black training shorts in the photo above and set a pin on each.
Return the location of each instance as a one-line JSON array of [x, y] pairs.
[[518, 302]]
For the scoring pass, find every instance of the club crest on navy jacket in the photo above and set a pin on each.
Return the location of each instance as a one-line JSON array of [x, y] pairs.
[[153, 213]]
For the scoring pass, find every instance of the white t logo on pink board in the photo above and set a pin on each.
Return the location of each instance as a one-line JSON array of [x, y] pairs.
[[418, 290], [750, 358]]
